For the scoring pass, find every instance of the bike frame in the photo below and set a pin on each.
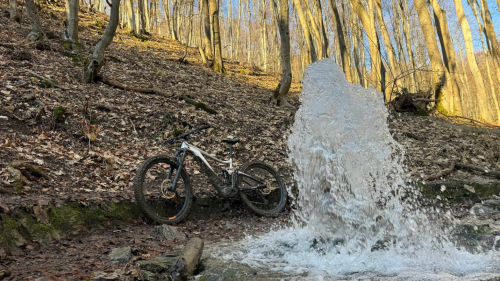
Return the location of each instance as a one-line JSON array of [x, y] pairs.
[[186, 147]]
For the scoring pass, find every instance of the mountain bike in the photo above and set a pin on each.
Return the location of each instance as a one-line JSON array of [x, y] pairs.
[[163, 190]]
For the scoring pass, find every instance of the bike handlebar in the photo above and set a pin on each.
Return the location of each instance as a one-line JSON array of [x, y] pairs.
[[183, 136]]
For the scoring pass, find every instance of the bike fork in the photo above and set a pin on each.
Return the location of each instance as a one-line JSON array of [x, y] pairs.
[[179, 168]]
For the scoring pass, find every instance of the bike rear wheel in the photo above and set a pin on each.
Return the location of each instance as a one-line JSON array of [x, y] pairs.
[[151, 185], [261, 188]]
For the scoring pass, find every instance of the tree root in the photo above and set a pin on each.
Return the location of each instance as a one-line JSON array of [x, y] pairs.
[[153, 91], [31, 168], [200, 105], [442, 173]]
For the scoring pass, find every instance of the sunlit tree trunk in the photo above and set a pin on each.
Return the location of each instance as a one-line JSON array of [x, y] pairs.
[[411, 55], [394, 68], [279, 96], [441, 77], [319, 18], [131, 17], [95, 63], [249, 35], [166, 11], [482, 99], [449, 57], [314, 25], [263, 34], [238, 30], [310, 53], [217, 64], [147, 16], [14, 13], [368, 20], [344, 52], [71, 33], [207, 33]]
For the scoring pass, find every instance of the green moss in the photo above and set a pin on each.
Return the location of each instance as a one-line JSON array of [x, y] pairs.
[[199, 105], [46, 84], [115, 59], [34, 230], [67, 45], [231, 121], [59, 112], [422, 112], [176, 132], [455, 191], [11, 223]]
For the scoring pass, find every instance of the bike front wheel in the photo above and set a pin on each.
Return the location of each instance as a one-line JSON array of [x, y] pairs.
[[261, 188], [153, 194]]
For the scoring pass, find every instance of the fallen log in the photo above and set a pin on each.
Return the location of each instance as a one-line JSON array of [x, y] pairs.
[[200, 105], [187, 263], [442, 173], [31, 168]]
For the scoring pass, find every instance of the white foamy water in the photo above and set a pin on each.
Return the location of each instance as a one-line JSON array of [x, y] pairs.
[[355, 213]]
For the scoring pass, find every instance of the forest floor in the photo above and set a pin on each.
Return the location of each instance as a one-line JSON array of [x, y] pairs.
[[89, 139]]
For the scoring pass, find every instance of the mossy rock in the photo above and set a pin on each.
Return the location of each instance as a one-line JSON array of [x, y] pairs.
[[68, 220]]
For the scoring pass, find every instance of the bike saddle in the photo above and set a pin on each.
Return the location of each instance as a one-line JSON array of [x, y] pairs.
[[233, 141]]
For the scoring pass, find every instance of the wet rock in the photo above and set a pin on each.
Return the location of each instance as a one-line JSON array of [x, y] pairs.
[[105, 276], [170, 232], [121, 255], [488, 207], [157, 265], [149, 276]]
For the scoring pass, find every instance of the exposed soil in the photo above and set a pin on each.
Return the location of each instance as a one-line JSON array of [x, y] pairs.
[[92, 148]]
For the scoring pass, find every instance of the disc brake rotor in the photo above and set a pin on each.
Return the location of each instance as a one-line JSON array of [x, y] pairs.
[[269, 188], [165, 193]]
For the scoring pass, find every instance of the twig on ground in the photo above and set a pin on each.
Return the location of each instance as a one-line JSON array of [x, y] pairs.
[[155, 91], [46, 79], [473, 168], [133, 126]]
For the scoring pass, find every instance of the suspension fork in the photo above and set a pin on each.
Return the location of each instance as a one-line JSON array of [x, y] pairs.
[[179, 168]]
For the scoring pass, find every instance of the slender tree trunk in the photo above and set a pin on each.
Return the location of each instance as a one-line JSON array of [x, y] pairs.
[[319, 18], [166, 11], [310, 55], [208, 40], [344, 53], [279, 96], [36, 32], [147, 16], [97, 60], [368, 20], [238, 30], [411, 55], [394, 68], [443, 89], [249, 35], [263, 34], [14, 13], [71, 33], [217, 64], [131, 17], [482, 99], [315, 28], [449, 57], [142, 19]]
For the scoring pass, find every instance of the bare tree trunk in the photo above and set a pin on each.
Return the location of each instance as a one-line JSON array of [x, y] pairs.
[[368, 20], [249, 35], [208, 45], [319, 18], [147, 16], [97, 60], [71, 33], [310, 55], [482, 99], [394, 69], [14, 13], [279, 96], [344, 53], [36, 32], [263, 34], [238, 39], [142, 18], [449, 57], [131, 20], [315, 29], [217, 64], [411, 56], [442, 86], [166, 11]]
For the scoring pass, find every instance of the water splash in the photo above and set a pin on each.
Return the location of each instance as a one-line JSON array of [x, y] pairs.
[[356, 211]]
